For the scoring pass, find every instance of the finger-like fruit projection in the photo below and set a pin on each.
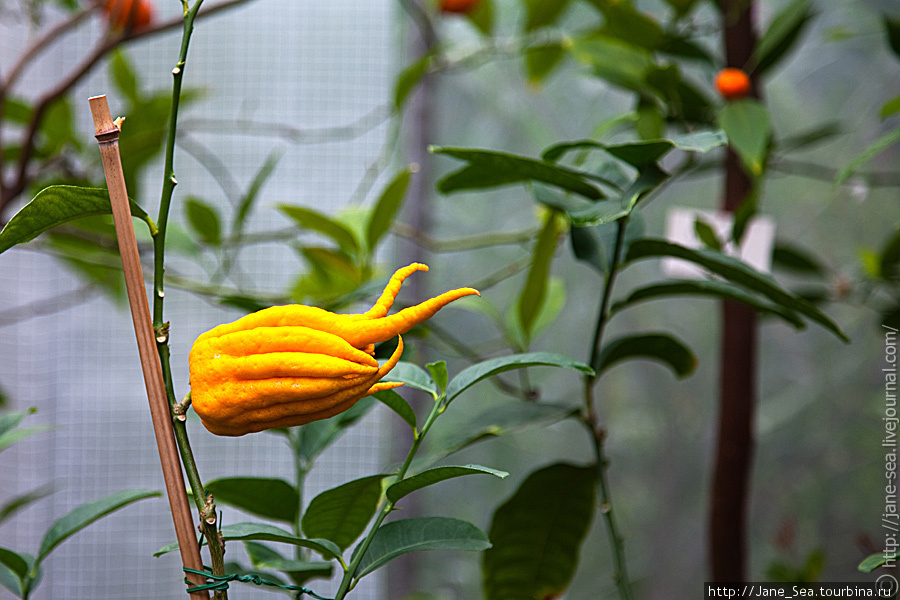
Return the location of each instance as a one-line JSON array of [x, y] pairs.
[[290, 365]]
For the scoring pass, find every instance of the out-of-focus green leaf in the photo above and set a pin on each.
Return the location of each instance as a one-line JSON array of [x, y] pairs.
[[781, 35], [342, 513], [653, 346], [624, 22], [707, 235], [248, 200], [386, 208], [204, 220], [641, 153], [706, 287], [494, 366], [682, 7], [617, 62], [541, 60], [872, 562], [56, 205], [746, 122], [890, 108], [313, 220], [415, 535], [884, 142], [482, 16], [506, 419], [537, 534], [265, 497], [587, 248], [810, 137], [84, 515], [892, 29], [16, 563], [532, 296], [541, 13], [432, 476], [123, 75], [11, 581], [736, 272], [57, 128], [17, 503], [409, 78], [791, 258], [16, 111], [491, 169]]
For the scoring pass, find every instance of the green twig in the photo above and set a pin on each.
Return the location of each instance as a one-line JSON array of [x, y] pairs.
[[597, 433], [205, 505]]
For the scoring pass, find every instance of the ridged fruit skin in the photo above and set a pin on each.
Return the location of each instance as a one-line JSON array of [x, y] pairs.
[[290, 365]]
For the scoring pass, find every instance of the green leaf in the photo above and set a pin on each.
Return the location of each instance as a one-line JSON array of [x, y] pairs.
[[342, 513], [872, 562], [639, 154], [318, 435], [537, 534], [488, 169], [874, 149], [386, 208], [11, 437], [792, 258], [615, 61], [736, 272], [506, 419], [414, 376], [11, 581], [892, 30], [264, 497], [409, 78], [438, 372], [313, 220], [11, 420], [707, 235], [706, 287], [17, 111], [656, 346], [781, 35], [426, 478], [889, 261], [494, 366], [746, 122], [482, 16], [607, 211], [17, 503], [57, 128], [890, 108], [249, 198], [262, 532], [204, 220], [541, 13], [682, 7], [56, 205], [533, 294], [587, 248], [122, 74], [396, 403], [540, 61], [14, 562], [263, 557], [84, 515], [416, 535]]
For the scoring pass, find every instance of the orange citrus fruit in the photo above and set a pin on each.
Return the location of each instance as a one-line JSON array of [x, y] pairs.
[[119, 13], [733, 83], [458, 6]]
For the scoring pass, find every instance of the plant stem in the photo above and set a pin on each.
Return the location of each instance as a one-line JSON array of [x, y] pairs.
[[598, 435], [388, 506], [205, 505]]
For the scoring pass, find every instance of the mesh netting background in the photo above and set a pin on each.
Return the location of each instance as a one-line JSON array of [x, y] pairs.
[[296, 65]]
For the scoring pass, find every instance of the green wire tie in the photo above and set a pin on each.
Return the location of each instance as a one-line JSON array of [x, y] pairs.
[[218, 583]]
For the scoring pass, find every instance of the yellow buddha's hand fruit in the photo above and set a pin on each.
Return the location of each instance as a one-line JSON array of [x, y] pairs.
[[289, 365]]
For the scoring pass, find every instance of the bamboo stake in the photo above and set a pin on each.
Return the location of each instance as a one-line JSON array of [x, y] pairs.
[[107, 134]]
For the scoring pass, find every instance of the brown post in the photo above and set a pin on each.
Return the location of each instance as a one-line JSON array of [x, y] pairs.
[[107, 134], [734, 446]]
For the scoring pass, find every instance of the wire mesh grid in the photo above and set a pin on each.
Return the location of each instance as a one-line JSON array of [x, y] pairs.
[[285, 66]]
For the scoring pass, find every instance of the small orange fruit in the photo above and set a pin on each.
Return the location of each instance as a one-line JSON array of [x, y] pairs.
[[458, 6], [119, 13], [733, 83]]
